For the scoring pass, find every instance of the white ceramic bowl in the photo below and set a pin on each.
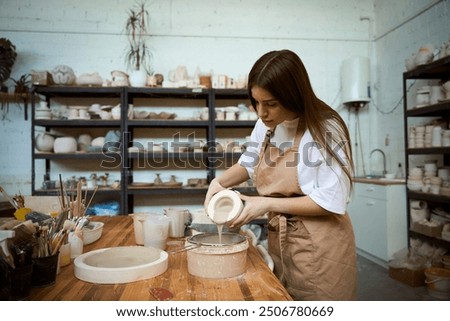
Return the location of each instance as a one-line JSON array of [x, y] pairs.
[[436, 180], [140, 114], [65, 145], [415, 171], [430, 167], [446, 86], [414, 186], [43, 114], [92, 232]]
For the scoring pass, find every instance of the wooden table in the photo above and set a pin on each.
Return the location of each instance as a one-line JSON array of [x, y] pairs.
[[257, 283]]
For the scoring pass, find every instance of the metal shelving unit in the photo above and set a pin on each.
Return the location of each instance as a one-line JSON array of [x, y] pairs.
[[125, 159], [439, 69]]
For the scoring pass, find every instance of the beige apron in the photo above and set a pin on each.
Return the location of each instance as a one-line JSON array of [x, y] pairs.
[[314, 256]]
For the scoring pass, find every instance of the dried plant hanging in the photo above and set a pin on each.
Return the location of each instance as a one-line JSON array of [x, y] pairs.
[[8, 56], [138, 54]]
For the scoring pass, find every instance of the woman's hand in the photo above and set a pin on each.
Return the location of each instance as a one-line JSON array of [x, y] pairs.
[[255, 206], [214, 187]]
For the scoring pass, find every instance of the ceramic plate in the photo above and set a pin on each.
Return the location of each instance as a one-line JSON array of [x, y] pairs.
[[141, 184], [78, 118], [172, 184]]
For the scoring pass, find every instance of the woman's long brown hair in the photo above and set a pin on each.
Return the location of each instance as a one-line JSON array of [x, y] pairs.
[[283, 74]]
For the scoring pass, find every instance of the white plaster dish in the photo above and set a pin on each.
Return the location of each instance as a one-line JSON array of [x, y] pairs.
[[120, 264]]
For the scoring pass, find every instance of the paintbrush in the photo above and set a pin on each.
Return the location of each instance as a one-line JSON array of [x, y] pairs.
[[62, 217]]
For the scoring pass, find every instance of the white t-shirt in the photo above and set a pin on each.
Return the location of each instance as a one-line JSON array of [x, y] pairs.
[[326, 184]]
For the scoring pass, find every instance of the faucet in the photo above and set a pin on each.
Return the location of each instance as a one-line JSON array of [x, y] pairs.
[[384, 158]]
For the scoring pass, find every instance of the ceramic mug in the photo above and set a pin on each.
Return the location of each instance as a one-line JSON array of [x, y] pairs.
[[73, 113], [436, 94], [220, 115], [83, 113]]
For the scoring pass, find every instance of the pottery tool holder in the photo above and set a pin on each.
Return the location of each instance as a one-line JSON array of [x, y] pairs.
[[4, 248], [73, 200]]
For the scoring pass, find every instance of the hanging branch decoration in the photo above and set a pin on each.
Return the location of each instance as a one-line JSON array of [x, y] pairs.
[[8, 56], [138, 53]]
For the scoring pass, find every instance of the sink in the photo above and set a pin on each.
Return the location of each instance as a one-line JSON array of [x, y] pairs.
[[120, 264]]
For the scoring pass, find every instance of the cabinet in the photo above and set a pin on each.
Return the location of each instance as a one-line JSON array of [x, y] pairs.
[[436, 71], [377, 216], [137, 168]]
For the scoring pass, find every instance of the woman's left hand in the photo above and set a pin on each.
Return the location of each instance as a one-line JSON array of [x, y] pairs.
[[255, 206]]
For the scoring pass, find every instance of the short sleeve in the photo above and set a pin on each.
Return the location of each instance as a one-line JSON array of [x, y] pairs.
[[323, 180], [249, 159]]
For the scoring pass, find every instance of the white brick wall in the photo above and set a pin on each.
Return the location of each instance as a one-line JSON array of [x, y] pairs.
[[226, 37]]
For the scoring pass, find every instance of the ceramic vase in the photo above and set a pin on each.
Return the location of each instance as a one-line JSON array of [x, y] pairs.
[[138, 78], [65, 145], [44, 142]]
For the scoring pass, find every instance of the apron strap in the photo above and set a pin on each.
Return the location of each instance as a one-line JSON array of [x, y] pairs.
[[281, 221], [268, 136]]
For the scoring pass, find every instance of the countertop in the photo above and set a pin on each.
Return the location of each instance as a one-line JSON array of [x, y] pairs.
[[258, 283], [379, 181]]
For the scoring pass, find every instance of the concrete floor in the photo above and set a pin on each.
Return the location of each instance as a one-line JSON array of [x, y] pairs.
[[375, 284]]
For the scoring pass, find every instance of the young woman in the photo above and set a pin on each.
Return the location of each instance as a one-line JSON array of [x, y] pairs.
[[300, 161]]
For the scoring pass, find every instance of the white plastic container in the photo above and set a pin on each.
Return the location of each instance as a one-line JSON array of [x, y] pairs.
[[76, 244], [151, 229], [179, 217]]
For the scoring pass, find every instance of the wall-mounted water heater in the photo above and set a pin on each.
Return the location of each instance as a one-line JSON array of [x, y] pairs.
[[355, 81]]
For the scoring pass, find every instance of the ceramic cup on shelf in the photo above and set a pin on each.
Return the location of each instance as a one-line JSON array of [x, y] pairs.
[[436, 138], [115, 112], [446, 138], [444, 173], [435, 189], [425, 54], [447, 89], [410, 63], [436, 94], [74, 113], [422, 97]]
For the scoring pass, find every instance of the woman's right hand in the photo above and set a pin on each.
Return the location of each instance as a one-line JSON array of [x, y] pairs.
[[214, 187]]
